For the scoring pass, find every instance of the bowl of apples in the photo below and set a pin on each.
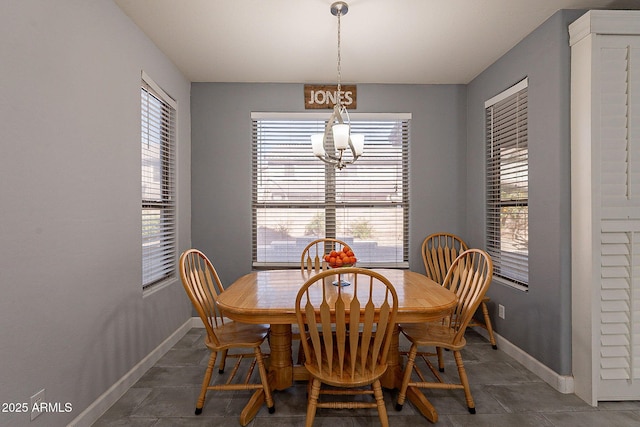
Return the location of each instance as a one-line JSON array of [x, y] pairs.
[[342, 258]]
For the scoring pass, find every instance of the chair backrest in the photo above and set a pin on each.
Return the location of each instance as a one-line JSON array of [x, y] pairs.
[[202, 284], [469, 277], [312, 256], [352, 343], [438, 252]]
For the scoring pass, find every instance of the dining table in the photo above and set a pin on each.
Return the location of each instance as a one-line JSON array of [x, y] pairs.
[[268, 297]]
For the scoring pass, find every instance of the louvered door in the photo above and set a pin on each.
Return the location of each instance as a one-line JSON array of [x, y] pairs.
[[619, 69], [605, 205]]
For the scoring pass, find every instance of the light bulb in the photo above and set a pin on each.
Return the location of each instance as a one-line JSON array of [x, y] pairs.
[[341, 136], [317, 143], [358, 143]]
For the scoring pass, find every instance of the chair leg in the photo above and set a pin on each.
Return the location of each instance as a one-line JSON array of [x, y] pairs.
[[205, 382], [312, 403], [465, 381], [382, 410], [487, 323], [300, 353], [402, 395], [223, 360], [265, 380], [440, 359]]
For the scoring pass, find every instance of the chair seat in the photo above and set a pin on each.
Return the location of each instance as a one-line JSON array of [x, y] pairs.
[[234, 334], [431, 334], [337, 378]]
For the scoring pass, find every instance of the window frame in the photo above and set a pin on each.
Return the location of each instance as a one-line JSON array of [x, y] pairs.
[[159, 261], [511, 267], [330, 204]]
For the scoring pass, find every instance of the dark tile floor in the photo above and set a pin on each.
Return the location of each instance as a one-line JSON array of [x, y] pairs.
[[505, 393]]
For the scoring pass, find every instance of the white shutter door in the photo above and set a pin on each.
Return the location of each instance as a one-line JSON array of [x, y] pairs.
[[620, 221]]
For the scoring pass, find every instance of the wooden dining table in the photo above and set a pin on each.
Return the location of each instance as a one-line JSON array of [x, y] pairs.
[[268, 296]]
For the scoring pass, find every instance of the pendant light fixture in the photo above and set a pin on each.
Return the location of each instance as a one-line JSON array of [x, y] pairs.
[[338, 128]]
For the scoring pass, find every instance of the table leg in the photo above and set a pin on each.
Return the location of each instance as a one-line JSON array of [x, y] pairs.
[[393, 379], [280, 370], [252, 407], [281, 359], [422, 404]]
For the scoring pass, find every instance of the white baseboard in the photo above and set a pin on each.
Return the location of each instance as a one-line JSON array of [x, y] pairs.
[[115, 392], [562, 383]]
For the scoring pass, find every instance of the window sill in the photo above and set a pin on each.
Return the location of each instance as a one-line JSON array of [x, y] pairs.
[[510, 284], [152, 289], [270, 266]]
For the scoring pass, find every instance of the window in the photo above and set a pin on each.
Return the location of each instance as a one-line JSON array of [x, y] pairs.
[[298, 198], [158, 121], [508, 185]]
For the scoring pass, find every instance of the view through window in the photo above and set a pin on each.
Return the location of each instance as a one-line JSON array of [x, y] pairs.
[[298, 198], [158, 114], [508, 184]]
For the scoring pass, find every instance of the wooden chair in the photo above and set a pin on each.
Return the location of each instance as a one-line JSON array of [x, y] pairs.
[[438, 252], [202, 284], [312, 260], [312, 257], [346, 338], [469, 277]]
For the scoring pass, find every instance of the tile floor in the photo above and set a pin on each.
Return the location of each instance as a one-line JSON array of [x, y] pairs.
[[505, 393]]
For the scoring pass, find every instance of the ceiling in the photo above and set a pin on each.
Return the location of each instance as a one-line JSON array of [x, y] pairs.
[[382, 41]]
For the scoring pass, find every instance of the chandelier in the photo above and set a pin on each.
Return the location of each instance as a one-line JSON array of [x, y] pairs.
[[338, 128]]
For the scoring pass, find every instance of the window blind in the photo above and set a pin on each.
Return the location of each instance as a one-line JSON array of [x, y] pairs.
[[298, 198], [507, 184], [158, 127]]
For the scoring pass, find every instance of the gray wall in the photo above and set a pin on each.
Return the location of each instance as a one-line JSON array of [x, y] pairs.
[[537, 321], [73, 319], [221, 161]]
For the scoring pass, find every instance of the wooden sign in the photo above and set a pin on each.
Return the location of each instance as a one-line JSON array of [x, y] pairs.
[[325, 96]]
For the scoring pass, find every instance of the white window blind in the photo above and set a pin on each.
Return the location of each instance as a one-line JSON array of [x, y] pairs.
[[507, 186], [158, 120], [298, 198]]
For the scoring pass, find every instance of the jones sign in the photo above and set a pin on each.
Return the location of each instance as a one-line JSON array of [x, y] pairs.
[[325, 96]]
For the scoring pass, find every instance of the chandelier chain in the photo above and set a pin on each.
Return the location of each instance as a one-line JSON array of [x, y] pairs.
[[338, 98], [338, 127]]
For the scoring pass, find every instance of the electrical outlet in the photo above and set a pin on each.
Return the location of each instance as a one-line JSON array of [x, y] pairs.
[[36, 400], [501, 311]]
